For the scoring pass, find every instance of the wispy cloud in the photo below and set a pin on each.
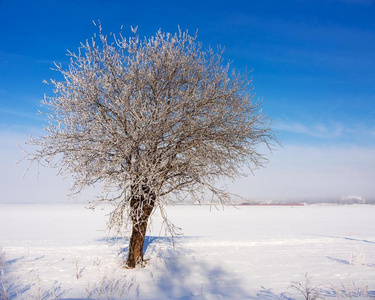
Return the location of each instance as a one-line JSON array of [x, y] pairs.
[[318, 130], [328, 131], [5, 57], [21, 114]]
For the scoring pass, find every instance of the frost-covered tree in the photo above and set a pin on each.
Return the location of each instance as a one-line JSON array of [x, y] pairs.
[[152, 120]]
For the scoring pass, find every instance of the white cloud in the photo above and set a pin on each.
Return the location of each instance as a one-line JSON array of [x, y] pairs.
[[330, 130], [319, 130], [17, 113]]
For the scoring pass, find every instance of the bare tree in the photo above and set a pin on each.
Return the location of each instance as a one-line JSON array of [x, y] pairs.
[[152, 120]]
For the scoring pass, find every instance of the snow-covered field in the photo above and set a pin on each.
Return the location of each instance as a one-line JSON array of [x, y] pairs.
[[61, 251]]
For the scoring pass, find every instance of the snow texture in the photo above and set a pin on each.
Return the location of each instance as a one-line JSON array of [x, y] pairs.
[[62, 251]]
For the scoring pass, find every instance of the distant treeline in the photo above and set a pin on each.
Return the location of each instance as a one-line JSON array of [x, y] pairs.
[[341, 201]]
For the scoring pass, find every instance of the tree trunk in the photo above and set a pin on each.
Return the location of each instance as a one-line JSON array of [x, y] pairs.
[[137, 239], [141, 211]]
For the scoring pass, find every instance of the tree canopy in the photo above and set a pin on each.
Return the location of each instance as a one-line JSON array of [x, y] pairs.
[[152, 120]]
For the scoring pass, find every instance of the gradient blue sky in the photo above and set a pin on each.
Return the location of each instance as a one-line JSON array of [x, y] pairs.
[[313, 63]]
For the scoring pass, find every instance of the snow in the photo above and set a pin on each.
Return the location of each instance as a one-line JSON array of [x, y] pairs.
[[249, 252]]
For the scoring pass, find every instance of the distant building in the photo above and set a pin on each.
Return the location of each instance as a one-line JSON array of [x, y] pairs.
[[352, 200]]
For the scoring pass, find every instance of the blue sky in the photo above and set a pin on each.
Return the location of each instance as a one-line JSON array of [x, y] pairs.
[[313, 64]]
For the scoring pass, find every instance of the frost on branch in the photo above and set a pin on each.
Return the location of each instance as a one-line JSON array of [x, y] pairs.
[[152, 120]]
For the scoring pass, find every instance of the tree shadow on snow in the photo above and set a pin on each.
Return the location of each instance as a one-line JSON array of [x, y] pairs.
[[199, 279], [150, 245], [177, 272]]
